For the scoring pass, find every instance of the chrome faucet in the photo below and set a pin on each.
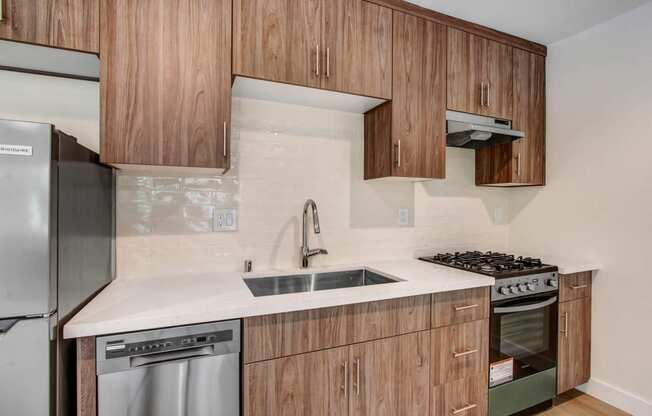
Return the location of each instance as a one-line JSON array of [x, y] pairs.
[[306, 252]]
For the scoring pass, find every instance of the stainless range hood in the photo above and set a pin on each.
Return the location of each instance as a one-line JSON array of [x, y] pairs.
[[471, 131]]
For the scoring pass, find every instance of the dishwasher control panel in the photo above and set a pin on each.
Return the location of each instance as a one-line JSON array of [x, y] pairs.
[[118, 348]]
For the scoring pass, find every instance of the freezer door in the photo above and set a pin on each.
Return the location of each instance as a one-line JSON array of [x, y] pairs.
[[27, 277], [25, 367], [197, 387]]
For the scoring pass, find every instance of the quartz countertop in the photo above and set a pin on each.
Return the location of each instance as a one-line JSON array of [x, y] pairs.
[[156, 302]]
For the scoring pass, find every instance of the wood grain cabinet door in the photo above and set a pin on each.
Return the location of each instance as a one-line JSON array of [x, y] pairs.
[[68, 24], [418, 107], [166, 82], [574, 355], [389, 377], [357, 48], [314, 384], [498, 76], [278, 40]]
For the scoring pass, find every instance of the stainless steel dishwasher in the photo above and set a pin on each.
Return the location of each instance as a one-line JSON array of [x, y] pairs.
[[181, 371]]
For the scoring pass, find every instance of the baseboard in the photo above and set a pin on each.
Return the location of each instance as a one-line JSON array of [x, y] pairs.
[[617, 397]]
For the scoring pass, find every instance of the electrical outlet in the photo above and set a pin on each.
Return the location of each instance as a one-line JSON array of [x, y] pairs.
[[403, 216], [225, 219]]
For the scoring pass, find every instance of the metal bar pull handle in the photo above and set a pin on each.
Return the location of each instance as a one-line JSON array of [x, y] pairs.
[[328, 62], [466, 307], [525, 308], [397, 146], [164, 357], [565, 330], [356, 383], [224, 149], [577, 287], [482, 94], [488, 94], [345, 385], [2, 16], [317, 62], [464, 353], [464, 409], [518, 164]]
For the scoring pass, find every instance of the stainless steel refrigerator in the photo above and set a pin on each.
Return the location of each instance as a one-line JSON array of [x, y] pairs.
[[56, 251]]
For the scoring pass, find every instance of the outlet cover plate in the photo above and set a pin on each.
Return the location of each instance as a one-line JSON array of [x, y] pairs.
[[225, 219]]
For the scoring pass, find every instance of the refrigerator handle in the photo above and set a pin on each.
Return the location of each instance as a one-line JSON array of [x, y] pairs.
[[6, 325]]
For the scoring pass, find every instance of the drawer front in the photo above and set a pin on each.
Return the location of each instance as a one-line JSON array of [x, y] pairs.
[[451, 308], [460, 351], [466, 397], [281, 335], [574, 286]]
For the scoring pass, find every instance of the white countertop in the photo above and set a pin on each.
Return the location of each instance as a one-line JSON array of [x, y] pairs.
[[155, 302]]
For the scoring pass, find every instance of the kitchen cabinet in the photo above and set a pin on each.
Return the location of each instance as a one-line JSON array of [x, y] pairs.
[[479, 75], [460, 351], [466, 397], [407, 137], [340, 45], [449, 308], [574, 341], [166, 83], [67, 24], [521, 162]]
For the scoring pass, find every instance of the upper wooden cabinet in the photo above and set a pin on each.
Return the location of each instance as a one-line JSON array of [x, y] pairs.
[[479, 75], [69, 24], [340, 45], [407, 137], [521, 162], [166, 83]]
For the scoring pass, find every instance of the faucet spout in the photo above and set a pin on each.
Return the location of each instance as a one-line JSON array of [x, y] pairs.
[[306, 252]]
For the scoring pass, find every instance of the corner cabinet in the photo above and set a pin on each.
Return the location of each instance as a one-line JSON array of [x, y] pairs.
[[339, 45], [166, 83], [68, 24], [521, 162], [407, 137]]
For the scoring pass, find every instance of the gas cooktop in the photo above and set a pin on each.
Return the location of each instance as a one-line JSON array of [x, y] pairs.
[[496, 265]]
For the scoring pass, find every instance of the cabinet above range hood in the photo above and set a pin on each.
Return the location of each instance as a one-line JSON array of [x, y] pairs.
[[472, 131]]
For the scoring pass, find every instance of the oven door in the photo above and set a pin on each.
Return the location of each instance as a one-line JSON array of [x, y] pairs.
[[523, 337]]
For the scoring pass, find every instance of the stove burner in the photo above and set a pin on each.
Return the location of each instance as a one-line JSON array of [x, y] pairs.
[[490, 263]]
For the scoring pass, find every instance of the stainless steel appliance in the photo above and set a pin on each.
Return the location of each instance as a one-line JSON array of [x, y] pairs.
[[56, 236], [182, 371], [523, 328], [474, 131]]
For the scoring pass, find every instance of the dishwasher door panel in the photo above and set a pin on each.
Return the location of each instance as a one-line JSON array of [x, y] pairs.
[[197, 387]]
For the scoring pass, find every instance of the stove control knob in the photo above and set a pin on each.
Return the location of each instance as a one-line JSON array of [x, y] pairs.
[[531, 287], [552, 283], [514, 289], [504, 290], [522, 287]]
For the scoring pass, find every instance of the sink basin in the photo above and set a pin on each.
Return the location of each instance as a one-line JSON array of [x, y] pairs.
[[279, 285]]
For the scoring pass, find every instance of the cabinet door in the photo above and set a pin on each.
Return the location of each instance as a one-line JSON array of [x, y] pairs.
[[498, 78], [574, 360], [357, 42], [466, 66], [166, 82], [313, 384], [419, 102], [460, 351], [69, 24], [465, 397], [528, 154], [390, 376], [278, 40]]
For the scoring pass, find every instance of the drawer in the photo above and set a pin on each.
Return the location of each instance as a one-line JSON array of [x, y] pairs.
[[450, 308], [466, 397], [574, 286], [460, 351]]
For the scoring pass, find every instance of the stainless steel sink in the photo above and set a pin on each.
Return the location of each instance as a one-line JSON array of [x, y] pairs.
[[279, 285]]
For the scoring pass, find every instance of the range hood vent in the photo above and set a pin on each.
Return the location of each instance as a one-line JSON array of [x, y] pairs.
[[471, 131]]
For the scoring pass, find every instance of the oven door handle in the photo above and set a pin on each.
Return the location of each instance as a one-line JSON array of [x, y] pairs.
[[525, 308]]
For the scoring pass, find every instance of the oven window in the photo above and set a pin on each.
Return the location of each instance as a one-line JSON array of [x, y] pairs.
[[525, 334]]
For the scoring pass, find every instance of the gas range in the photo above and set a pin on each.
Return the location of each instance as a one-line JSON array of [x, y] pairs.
[[517, 276]]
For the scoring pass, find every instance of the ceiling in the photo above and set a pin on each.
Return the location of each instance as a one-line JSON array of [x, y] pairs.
[[543, 21]]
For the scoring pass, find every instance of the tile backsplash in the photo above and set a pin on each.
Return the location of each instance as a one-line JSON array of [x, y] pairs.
[[281, 155]]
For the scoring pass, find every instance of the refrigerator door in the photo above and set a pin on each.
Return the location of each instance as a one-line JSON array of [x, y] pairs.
[[26, 367], [28, 277]]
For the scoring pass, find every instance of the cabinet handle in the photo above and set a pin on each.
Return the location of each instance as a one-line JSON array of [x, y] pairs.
[[224, 141], [2, 16], [463, 308], [565, 331], [398, 154], [464, 409], [464, 354], [345, 386], [328, 62], [357, 377], [488, 94], [518, 165], [576, 287], [317, 62], [482, 95]]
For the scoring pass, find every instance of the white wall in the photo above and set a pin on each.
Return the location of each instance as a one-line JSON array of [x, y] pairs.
[[598, 201]]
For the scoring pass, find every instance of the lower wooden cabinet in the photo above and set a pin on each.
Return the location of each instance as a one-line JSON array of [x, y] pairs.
[[385, 377], [467, 397], [574, 345], [460, 351]]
